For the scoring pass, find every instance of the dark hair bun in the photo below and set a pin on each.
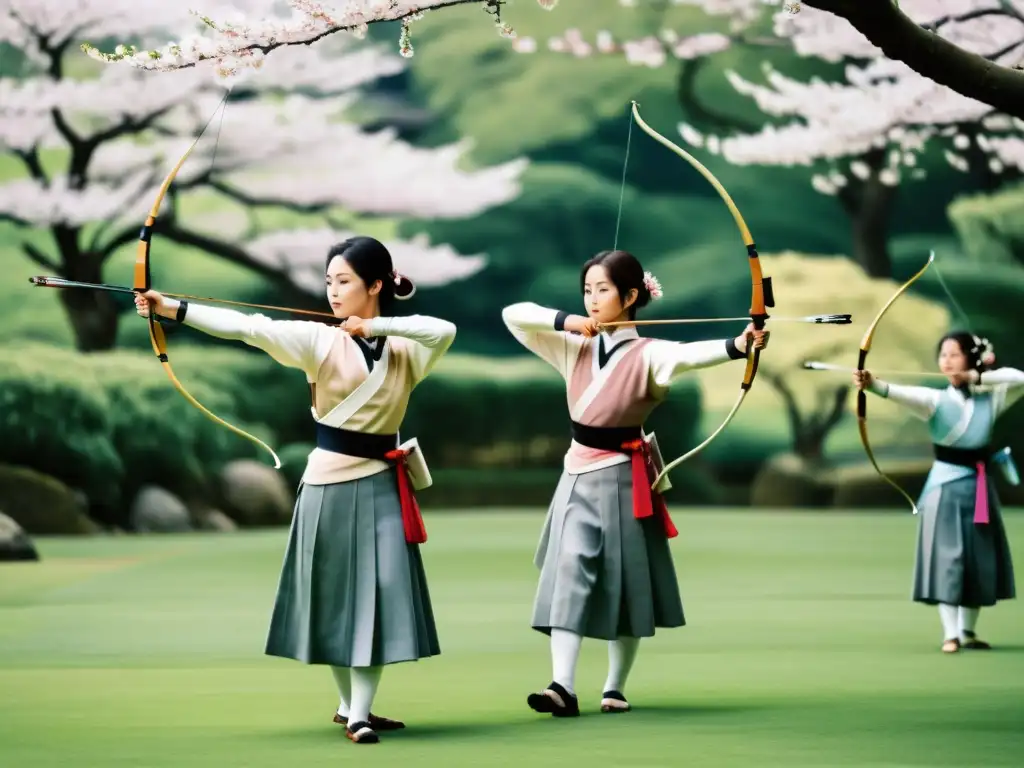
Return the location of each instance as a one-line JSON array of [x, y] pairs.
[[404, 287], [643, 297]]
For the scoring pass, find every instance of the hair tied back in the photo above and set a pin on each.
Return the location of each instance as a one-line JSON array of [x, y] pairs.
[[404, 287]]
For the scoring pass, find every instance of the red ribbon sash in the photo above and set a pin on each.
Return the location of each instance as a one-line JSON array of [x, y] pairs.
[[647, 501], [412, 520], [981, 495]]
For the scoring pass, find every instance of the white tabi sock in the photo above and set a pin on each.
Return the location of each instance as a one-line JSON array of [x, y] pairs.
[[364, 688], [344, 682], [948, 614], [565, 650], [968, 619], [621, 655]]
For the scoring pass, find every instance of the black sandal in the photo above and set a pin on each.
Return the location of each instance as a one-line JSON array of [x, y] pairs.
[[971, 641], [361, 733], [609, 705], [554, 700], [951, 646], [377, 723]]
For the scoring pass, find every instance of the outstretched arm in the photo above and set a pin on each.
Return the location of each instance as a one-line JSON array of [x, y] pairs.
[[541, 330], [669, 360], [920, 401], [431, 336], [1007, 385], [294, 343]]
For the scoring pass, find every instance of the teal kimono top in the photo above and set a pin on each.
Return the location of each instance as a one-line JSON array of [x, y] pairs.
[[954, 420]]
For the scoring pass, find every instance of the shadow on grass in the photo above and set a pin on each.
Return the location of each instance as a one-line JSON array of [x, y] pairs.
[[648, 714]]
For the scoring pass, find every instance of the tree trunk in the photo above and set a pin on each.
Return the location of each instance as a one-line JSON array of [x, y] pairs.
[[869, 203], [93, 314]]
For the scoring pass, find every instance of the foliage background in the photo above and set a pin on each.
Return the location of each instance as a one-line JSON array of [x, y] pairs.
[[492, 421]]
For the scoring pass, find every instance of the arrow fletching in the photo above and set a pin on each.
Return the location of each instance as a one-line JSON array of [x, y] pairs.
[[830, 319]]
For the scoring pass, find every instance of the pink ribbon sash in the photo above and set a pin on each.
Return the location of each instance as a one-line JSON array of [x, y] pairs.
[[981, 496]]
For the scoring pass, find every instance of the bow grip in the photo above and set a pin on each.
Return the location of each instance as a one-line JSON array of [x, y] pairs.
[[766, 282], [862, 398]]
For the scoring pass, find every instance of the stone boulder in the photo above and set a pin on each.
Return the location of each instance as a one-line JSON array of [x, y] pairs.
[[42, 505], [15, 545], [788, 481], [859, 486], [156, 510], [214, 520], [254, 494]]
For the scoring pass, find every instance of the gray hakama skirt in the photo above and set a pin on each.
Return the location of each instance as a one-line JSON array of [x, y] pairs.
[[352, 592], [603, 573], [959, 562]]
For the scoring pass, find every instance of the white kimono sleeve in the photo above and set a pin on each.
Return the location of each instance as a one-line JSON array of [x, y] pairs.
[[533, 326], [1007, 385], [293, 343], [920, 401], [669, 360], [431, 336]]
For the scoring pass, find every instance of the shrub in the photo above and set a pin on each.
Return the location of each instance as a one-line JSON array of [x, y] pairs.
[[110, 423]]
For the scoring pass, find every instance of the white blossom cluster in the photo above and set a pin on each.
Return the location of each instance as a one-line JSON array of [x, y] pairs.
[[237, 38], [881, 105], [299, 254], [286, 143]]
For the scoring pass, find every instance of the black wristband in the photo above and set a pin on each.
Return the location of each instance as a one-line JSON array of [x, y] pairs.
[[560, 320], [182, 310], [732, 350]]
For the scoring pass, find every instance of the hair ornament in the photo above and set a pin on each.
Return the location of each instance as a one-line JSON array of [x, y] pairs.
[[987, 352], [653, 286]]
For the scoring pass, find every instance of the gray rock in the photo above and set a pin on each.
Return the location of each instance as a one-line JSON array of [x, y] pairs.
[[15, 544], [156, 510], [215, 520], [42, 505], [254, 494]]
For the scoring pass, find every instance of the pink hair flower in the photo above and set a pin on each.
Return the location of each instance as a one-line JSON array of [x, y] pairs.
[[653, 286]]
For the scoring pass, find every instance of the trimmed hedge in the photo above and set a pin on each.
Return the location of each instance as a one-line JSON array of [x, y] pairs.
[[109, 423]]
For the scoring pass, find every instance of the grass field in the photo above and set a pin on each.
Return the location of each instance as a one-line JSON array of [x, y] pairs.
[[803, 649]]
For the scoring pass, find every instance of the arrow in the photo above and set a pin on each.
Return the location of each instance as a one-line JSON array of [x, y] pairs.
[[60, 282], [813, 365], [816, 319]]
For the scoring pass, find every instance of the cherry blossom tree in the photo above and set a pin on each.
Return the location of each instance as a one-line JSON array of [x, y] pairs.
[[862, 136], [247, 38], [95, 148]]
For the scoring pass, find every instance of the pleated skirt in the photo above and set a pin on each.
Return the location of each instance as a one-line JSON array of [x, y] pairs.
[[959, 562], [603, 573], [352, 592]]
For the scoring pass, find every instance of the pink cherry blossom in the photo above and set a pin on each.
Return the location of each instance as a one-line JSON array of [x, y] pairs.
[[880, 104], [285, 143]]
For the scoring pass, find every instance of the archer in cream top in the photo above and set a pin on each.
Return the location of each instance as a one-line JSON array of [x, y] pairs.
[[335, 365]]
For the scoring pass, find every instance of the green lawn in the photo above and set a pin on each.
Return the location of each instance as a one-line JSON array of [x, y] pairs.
[[803, 650]]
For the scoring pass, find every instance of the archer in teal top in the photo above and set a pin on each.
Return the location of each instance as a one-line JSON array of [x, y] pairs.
[[963, 558]]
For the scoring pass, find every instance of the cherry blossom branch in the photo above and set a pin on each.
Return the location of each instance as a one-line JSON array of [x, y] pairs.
[[248, 44], [252, 201], [30, 158], [978, 13], [219, 248], [901, 39], [41, 258]]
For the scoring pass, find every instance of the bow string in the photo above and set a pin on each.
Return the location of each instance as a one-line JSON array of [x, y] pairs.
[[862, 399], [761, 294], [142, 282]]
